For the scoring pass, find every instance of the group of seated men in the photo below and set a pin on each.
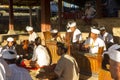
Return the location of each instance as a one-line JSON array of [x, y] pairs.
[[11, 70], [67, 67], [98, 37], [37, 58]]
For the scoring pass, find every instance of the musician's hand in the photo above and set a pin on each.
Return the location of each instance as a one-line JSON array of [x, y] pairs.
[[86, 46]]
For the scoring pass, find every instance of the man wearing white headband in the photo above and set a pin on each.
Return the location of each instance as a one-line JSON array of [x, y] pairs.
[[114, 55], [56, 36], [94, 42], [107, 37], [10, 44], [32, 34], [77, 35]]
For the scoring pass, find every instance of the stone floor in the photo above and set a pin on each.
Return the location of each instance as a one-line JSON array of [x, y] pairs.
[[104, 75]]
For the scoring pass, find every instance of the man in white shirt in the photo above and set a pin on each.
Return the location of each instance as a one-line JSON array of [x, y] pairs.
[[94, 42], [89, 13], [66, 67], [17, 73], [56, 36], [32, 35], [40, 54], [77, 35], [107, 37], [10, 44]]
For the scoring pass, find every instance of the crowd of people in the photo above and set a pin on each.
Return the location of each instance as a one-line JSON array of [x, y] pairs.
[[15, 64]]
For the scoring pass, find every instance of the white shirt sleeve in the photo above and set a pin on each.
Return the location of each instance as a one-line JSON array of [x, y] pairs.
[[77, 36], [2, 72], [42, 56], [34, 57], [33, 36]]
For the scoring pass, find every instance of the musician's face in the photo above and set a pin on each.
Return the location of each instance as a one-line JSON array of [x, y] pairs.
[[10, 43], [94, 36], [72, 29], [102, 32], [30, 32]]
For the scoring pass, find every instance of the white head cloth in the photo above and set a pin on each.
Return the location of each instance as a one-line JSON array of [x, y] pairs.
[[113, 53], [54, 31], [29, 28], [10, 39], [102, 28], [73, 24], [95, 31]]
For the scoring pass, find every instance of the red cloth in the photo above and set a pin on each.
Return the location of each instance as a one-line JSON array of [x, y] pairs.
[[22, 64]]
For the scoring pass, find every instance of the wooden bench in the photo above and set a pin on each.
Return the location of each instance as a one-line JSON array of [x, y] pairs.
[[51, 45]]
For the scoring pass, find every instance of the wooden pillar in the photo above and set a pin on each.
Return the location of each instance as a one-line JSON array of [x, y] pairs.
[[30, 11], [45, 15], [59, 13], [38, 16], [99, 8], [11, 18], [68, 41]]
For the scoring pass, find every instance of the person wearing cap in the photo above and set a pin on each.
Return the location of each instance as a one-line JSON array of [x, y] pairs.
[[114, 55], [56, 36], [94, 42], [17, 73], [66, 67], [10, 44], [5, 71], [32, 34], [107, 37], [89, 13], [77, 35]]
